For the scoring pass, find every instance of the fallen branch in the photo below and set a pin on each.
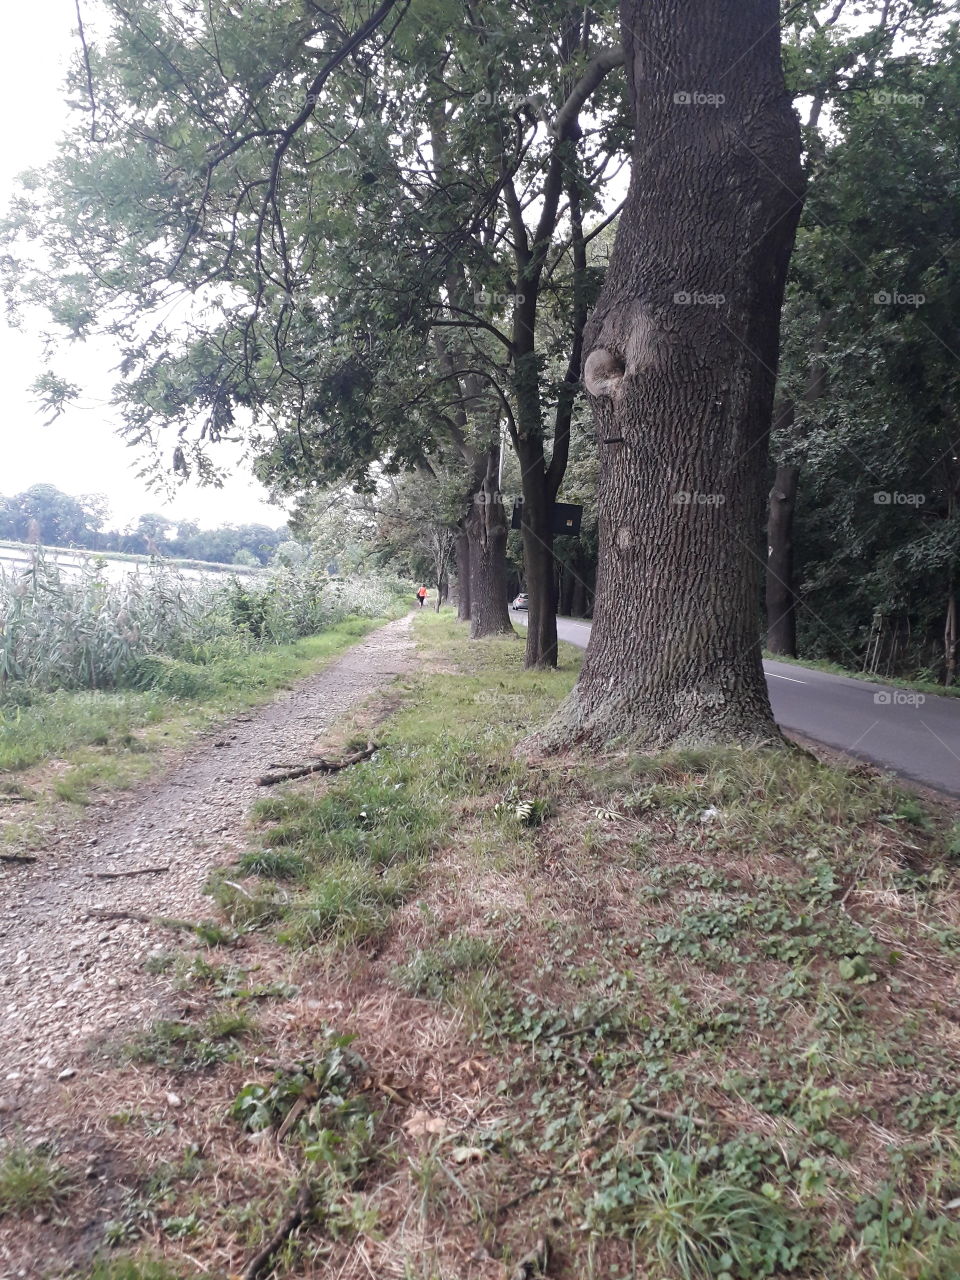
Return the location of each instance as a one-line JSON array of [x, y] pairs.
[[15, 857], [15, 800], [98, 913], [301, 1207], [668, 1115], [120, 875], [317, 766]]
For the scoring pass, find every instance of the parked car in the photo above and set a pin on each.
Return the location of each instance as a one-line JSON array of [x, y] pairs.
[[520, 602]]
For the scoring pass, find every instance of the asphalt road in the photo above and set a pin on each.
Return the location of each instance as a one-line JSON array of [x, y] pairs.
[[913, 734]]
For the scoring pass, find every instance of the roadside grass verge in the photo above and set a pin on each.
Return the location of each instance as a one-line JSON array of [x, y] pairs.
[[691, 1016], [67, 744], [894, 682]]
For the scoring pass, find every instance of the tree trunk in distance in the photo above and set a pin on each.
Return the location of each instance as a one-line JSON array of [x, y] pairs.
[[463, 576], [950, 639], [578, 598], [680, 364], [781, 594], [536, 531], [486, 526], [567, 582]]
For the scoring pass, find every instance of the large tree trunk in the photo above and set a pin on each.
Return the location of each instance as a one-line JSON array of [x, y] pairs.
[[781, 594], [681, 357], [463, 576], [486, 526]]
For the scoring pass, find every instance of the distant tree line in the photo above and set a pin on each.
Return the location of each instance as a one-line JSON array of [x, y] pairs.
[[44, 514]]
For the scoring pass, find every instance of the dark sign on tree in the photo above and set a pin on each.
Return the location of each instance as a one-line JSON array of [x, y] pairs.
[[567, 517]]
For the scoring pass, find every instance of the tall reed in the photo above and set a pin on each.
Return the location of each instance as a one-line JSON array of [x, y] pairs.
[[78, 628]]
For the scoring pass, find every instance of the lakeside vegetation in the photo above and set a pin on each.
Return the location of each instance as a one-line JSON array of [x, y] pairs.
[[100, 676], [160, 629], [67, 746]]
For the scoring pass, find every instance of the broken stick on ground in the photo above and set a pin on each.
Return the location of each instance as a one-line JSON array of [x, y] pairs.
[[299, 1210], [316, 766], [123, 875]]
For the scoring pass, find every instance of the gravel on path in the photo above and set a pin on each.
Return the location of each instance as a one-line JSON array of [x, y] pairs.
[[66, 976]]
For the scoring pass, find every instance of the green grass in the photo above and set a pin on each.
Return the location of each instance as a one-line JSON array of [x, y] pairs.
[[137, 1268], [31, 1180], [59, 723], [435, 970], [182, 1046], [347, 903], [692, 1224], [346, 857], [109, 738]]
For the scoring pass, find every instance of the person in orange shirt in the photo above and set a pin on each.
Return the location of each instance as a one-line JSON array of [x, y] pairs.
[[422, 595]]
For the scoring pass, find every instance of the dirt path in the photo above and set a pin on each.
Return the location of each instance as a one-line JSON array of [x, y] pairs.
[[65, 976]]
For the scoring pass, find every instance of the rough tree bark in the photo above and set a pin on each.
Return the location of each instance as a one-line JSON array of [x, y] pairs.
[[486, 525], [463, 576], [680, 364], [781, 594]]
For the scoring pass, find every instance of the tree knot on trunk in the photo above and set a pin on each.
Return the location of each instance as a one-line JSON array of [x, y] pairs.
[[603, 372]]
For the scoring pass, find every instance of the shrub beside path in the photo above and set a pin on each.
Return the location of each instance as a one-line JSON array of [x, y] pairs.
[[69, 972]]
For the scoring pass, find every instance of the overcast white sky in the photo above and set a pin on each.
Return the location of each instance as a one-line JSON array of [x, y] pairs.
[[80, 452]]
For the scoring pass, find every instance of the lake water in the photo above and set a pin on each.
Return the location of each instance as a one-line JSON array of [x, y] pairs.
[[13, 559]]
